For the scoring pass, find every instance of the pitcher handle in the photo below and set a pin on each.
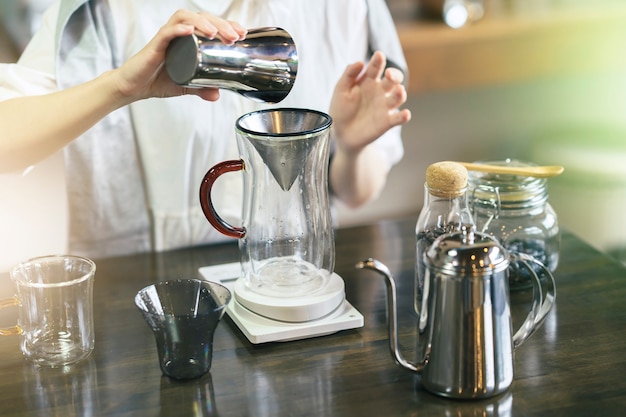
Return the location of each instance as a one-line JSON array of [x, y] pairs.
[[544, 297], [13, 330], [207, 204]]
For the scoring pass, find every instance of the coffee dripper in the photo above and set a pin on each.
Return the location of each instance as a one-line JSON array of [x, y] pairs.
[[465, 338], [262, 67], [286, 240]]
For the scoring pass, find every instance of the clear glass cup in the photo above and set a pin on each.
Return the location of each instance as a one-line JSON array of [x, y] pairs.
[[55, 321]]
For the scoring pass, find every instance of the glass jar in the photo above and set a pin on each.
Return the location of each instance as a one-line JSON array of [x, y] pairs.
[[515, 210], [445, 210]]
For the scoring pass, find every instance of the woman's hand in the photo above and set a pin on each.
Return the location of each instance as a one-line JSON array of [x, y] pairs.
[[366, 103], [364, 106], [60, 120], [144, 75]]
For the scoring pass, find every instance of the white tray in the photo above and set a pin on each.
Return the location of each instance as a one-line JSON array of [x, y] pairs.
[[258, 329]]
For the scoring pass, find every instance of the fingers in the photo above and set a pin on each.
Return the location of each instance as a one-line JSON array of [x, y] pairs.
[[393, 76], [399, 117], [209, 25], [376, 66], [240, 30], [375, 69], [208, 94], [350, 76], [225, 30], [396, 97]]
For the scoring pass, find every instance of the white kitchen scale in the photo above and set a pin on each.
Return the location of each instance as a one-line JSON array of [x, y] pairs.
[[265, 319]]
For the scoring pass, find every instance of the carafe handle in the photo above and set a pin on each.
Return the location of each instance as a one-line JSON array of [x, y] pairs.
[[13, 330], [544, 296], [207, 204]]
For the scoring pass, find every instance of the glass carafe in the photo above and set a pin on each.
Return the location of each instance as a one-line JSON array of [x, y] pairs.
[[286, 241]]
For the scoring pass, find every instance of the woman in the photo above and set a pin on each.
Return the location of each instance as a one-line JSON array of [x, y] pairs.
[[92, 82]]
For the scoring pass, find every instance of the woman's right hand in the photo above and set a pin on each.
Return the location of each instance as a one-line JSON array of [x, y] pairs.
[[144, 74], [60, 120]]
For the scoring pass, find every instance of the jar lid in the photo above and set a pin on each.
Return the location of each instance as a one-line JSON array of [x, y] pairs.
[[467, 253], [446, 179], [510, 191]]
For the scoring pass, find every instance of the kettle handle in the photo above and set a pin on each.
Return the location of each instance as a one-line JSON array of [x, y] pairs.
[[544, 297], [207, 204]]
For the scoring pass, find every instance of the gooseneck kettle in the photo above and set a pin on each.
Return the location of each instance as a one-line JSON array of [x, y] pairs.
[[465, 337]]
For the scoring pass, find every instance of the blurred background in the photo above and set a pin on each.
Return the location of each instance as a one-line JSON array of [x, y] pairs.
[[538, 80]]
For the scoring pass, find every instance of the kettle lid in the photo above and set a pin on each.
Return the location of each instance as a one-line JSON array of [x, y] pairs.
[[467, 252]]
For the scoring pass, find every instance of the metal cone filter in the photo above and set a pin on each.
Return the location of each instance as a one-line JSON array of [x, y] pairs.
[[284, 138]]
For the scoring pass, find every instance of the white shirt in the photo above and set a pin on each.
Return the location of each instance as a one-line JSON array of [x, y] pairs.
[[178, 139]]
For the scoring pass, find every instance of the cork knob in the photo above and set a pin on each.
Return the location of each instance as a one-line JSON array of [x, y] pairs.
[[446, 179]]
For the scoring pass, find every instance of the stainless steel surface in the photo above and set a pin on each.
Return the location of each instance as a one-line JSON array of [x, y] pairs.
[[465, 319], [283, 138], [262, 67], [466, 253], [392, 311]]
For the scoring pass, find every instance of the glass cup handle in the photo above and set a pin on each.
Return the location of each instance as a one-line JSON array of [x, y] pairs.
[[544, 296], [13, 330], [207, 204]]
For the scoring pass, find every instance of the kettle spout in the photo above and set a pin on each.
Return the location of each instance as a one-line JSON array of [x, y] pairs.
[[392, 313]]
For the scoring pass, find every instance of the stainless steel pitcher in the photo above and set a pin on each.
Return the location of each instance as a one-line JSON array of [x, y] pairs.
[[465, 338], [262, 67]]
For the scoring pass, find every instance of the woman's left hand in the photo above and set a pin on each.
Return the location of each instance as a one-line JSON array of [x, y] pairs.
[[365, 103]]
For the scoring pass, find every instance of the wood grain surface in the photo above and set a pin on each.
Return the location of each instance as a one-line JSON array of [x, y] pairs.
[[574, 365]]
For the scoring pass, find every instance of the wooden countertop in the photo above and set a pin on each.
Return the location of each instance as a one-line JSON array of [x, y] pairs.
[[574, 365], [507, 47]]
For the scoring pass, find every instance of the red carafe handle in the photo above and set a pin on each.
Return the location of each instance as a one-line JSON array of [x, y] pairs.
[[207, 204]]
